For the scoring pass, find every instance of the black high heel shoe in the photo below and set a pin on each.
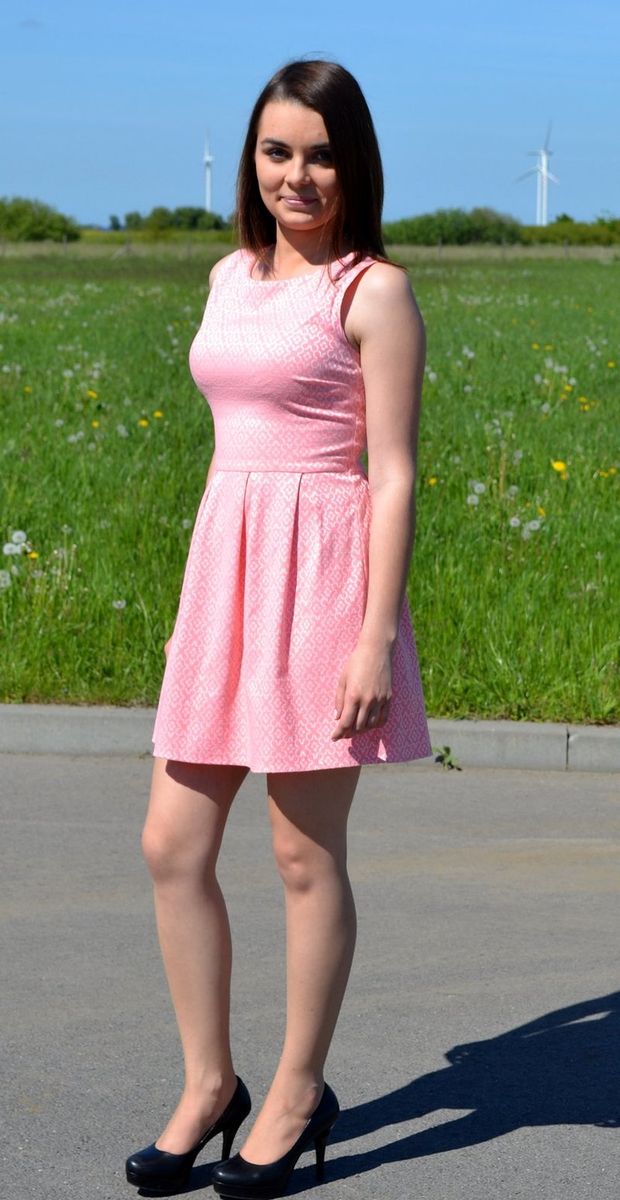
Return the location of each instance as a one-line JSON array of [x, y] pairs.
[[161, 1172], [238, 1179]]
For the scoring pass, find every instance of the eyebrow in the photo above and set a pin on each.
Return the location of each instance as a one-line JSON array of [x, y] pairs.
[[277, 142]]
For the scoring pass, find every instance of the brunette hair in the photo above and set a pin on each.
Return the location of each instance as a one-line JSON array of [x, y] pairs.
[[329, 89]]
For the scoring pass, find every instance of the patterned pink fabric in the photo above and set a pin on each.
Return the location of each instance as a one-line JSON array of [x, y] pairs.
[[276, 578]]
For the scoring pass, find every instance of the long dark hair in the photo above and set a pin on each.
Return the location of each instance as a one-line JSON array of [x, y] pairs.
[[331, 90]]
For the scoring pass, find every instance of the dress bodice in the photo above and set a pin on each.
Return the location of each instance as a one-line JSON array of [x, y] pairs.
[[282, 380]]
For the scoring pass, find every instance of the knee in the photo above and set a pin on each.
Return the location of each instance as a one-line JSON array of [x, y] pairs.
[[170, 857], [298, 866]]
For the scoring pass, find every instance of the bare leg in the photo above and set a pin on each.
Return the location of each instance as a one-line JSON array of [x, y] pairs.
[[308, 812], [188, 808]]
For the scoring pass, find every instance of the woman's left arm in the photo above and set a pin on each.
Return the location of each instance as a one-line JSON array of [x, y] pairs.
[[385, 321]]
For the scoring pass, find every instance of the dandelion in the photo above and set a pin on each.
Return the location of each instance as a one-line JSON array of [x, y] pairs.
[[68, 374], [59, 422], [119, 604], [517, 456], [479, 488], [609, 364], [525, 533], [10, 548], [33, 554], [512, 490], [432, 480], [18, 536], [535, 346], [66, 528], [186, 523], [544, 408], [143, 422], [95, 424], [558, 465], [432, 375], [472, 499], [5, 580], [91, 394], [122, 431], [533, 525], [515, 522], [158, 413], [29, 389], [540, 510]]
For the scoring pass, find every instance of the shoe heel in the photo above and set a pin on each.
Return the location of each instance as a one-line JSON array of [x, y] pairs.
[[320, 1143], [230, 1132]]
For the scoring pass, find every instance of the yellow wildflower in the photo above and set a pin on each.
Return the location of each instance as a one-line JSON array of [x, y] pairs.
[[92, 395], [157, 413], [613, 470], [95, 424], [29, 389], [540, 510], [33, 554], [558, 465], [548, 345], [611, 364], [143, 422], [535, 346], [432, 481], [568, 387]]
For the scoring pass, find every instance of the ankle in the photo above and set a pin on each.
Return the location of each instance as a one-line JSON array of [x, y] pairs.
[[298, 1086], [209, 1088]]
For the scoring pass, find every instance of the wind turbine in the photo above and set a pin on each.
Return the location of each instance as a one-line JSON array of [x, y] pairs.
[[544, 175], [208, 163]]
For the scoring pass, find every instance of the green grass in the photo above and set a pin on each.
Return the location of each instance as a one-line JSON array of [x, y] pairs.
[[507, 626]]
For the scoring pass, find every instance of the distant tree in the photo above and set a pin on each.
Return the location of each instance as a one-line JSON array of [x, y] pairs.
[[133, 220], [23, 220], [115, 223], [159, 220], [564, 217]]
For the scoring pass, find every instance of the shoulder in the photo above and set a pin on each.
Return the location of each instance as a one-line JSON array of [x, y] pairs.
[[227, 258], [384, 296], [384, 281]]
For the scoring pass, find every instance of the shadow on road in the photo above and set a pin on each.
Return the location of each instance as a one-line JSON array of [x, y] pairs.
[[559, 1069]]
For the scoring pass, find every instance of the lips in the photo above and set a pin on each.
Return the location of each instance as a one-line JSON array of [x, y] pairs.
[[299, 201]]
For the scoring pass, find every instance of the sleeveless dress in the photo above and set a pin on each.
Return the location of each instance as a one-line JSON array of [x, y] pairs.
[[276, 578]]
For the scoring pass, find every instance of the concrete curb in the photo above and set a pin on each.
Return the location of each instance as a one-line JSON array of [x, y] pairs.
[[102, 729]]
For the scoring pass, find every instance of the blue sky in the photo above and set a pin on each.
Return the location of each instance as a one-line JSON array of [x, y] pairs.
[[104, 107]]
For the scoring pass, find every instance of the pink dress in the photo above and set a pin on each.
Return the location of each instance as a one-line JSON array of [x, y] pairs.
[[276, 578]]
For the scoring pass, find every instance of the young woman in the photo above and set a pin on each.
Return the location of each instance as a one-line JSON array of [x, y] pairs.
[[293, 651]]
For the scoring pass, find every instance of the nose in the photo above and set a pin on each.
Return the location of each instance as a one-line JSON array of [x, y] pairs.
[[297, 172]]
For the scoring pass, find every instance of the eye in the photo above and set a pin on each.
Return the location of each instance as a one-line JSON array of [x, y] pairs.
[[275, 152], [324, 156]]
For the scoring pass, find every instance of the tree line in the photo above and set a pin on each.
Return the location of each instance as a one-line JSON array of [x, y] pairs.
[[25, 220]]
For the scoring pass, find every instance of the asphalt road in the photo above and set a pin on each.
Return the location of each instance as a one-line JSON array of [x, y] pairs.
[[476, 1054]]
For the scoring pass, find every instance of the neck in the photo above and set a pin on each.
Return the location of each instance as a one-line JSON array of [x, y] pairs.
[[295, 251]]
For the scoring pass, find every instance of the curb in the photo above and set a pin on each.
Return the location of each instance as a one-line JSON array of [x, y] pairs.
[[110, 730]]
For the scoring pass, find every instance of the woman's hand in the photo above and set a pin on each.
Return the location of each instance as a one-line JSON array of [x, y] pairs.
[[364, 691]]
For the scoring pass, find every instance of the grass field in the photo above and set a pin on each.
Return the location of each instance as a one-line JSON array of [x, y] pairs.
[[106, 444]]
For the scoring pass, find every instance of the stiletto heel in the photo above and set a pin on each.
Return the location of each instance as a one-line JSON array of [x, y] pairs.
[[162, 1172], [238, 1179], [319, 1146]]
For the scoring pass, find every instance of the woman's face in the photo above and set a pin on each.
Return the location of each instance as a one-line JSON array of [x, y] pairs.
[[294, 166]]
